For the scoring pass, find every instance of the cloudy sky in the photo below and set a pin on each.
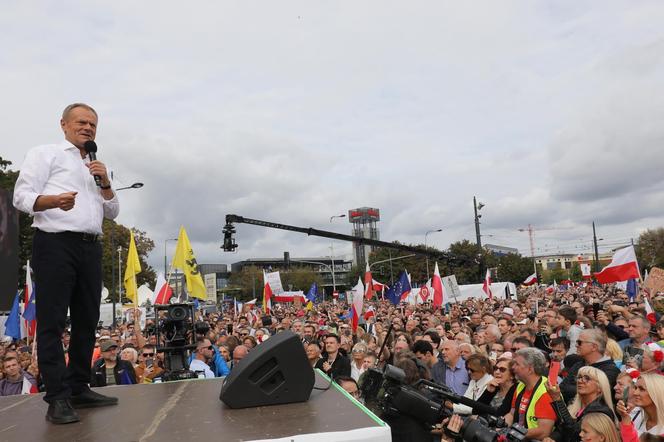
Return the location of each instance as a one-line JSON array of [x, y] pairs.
[[295, 111]]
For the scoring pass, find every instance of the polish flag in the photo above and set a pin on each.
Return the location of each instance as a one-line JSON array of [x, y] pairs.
[[163, 291], [377, 286], [28, 302], [368, 284], [437, 285], [532, 279], [267, 295], [650, 313], [28, 387], [369, 313], [623, 267], [358, 303], [486, 287]]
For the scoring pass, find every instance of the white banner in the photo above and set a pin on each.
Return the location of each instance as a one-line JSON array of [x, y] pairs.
[[275, 282], [451, 287]]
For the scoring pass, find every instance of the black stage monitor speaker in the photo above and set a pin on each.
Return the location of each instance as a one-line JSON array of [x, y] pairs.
[[275, 372]]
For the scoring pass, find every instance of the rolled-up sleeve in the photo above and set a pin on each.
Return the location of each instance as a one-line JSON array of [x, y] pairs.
[[112, 207]]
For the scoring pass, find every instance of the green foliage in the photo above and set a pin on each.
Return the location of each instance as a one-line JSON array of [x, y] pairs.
[[556, 274], [650, 248], [300, 278], [514, 268], [248, 283], [114, 235], [575, 273], [8, 179]]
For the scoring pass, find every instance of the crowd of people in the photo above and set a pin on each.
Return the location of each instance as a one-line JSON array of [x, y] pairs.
[[581, 364]]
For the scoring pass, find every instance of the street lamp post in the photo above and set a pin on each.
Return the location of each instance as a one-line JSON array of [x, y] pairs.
[[477, 207], [425, 246], [334, 282], [165, 256], [115, 297], [119, 277]]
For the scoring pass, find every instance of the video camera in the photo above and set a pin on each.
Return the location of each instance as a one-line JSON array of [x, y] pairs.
[[394, 398], [175, 328]]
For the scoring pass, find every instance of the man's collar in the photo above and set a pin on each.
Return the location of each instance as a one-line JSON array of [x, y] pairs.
[[66, 145]]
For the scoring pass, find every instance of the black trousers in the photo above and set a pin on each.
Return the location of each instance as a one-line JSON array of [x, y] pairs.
[[67, 270]]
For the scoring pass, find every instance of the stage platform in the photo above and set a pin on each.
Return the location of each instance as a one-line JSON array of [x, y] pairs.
[[191, 411]]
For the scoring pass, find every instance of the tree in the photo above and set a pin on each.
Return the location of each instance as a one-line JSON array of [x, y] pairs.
[[300, 278], [249, 282], [650, 248], [514, 268], [8, 179], [575, 273], [116, 235], [558, 274]]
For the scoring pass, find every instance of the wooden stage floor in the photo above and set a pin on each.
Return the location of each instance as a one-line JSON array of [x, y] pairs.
[[184, 411]]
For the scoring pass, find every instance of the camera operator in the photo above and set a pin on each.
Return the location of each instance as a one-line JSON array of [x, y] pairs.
[[531, 407], [405, 428]]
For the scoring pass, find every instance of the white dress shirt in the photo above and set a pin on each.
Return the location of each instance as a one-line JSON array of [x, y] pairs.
[[54, 169], [196, 365], [474, 391]]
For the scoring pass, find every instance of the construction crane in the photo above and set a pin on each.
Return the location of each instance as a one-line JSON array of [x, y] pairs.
[[531, 236]]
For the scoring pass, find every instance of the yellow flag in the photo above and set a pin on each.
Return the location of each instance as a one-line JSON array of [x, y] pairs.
[[133, 268], [184, 260]]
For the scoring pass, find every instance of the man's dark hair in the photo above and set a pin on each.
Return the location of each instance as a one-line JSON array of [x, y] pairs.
[[532, 333], [433, 334], [562, 340], [422, 347], [522, 340], [340, 379], [332, 335], [568, 312]]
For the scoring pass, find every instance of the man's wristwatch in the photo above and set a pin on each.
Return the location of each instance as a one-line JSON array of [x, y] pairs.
[[105, 187]]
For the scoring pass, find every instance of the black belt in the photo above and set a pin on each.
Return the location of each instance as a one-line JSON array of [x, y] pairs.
[[81, 236]]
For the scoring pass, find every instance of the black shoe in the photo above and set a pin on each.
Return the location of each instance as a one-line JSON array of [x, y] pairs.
[[60, 411], [91, 399]]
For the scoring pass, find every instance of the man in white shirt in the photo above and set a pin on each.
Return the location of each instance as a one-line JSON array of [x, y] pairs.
[[202, 357], [57, 187]]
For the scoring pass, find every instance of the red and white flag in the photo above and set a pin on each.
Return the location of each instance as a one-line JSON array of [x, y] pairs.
[[377, 286], [623, 267], [369, 313], [267, 295], [30, 326], [368, 284], [358, 303], [437, 286], [486, 287], [650, 313], [162, 291], [28, 387], [532, 279]]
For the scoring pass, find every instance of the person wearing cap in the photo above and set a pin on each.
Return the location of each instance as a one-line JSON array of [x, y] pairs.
[[111, 370], [68, 192]]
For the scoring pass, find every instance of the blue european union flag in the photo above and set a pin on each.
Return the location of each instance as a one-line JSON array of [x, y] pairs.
[[311, 294], [632, 289], [398, 288], [13, 324]]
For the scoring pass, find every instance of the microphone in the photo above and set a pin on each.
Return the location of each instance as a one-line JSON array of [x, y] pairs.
[[91, 148]]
